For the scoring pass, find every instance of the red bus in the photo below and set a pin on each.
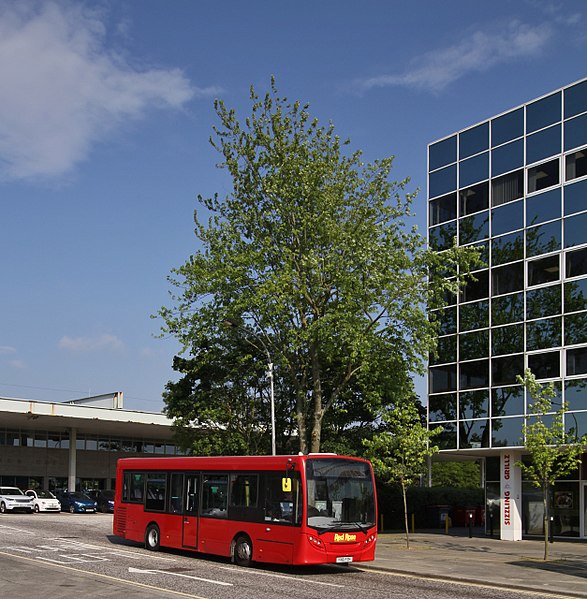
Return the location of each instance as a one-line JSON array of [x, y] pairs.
[[304, 509]]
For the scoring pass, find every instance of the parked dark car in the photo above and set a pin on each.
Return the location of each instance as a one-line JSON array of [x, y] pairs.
[[75, 502], [105, 501]]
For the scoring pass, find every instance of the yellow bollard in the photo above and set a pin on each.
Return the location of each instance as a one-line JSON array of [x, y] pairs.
[[413, 523], [446, 524]]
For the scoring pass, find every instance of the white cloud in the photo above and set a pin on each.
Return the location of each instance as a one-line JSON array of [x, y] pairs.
[[7, 349], [90, 344], [18, 364], [63, 90], [479, 51]]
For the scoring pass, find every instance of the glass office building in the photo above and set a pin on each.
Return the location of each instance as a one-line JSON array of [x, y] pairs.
[[515, 186]]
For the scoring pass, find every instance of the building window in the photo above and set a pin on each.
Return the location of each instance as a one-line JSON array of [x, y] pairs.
[[474, 404], [507, 279], [507, 248], [576, 263], [443, 181], [543, 144], [543, 112], [474, 228], [543, 239], [544, 270], [474, 316], [505, 370], [474, 198], [474, 345], [443, 378], [575, 295], [576, 328], [575, 228], [507, 309], [544, 175], [474, 140], [507, 401], [477, 287], [442, 407], [443, 236], [545, 301], [543, 207], [576, 132], [442, 153], [443, 209], [507, 218], [545, 365], [446, 350], [447, 439], [576, 165], [507, 188], [576, 197], [474, 374], [473, 434], [507, 158], [576, 99], [506, 432], [543, 334], [576, 390], [474, 169], [577, 364], [507, 126], [507, 340]]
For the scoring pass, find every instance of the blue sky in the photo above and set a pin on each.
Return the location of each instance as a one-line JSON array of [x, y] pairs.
[[106, 109]]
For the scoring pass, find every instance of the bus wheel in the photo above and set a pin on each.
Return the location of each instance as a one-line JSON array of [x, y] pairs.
[[243, 551], [152, 537]]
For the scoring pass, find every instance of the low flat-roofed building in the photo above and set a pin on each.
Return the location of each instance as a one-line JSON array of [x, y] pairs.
[[76, 444]]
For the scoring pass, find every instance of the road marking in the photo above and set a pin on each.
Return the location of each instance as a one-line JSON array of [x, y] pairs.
[[141, 571], [17, 530], [258, 573], [105, 576]]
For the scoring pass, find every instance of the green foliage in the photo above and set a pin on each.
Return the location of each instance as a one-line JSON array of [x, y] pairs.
[[313, 251], [399, 453], [554, 451], [457, 475]]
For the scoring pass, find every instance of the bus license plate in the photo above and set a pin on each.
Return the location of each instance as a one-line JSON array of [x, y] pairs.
[[346, 559]]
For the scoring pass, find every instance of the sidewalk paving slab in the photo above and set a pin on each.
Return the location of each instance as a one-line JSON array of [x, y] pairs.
[[485, 560]]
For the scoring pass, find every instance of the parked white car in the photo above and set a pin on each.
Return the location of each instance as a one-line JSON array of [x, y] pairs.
[[12, 498], [44, 501]]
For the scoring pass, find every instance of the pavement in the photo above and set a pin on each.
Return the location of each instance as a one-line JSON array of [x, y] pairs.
[[486, 560]]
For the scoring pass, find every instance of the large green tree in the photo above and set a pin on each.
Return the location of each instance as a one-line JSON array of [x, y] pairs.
[[313, 252], [555, 449]]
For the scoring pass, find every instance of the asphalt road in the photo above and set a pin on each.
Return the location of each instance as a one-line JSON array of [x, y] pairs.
[[75, 555]]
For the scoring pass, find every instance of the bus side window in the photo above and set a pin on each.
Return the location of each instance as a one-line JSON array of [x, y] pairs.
[[175, 493]]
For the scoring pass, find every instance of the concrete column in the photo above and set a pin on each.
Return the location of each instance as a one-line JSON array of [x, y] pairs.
[[511, 496], [72, 471]]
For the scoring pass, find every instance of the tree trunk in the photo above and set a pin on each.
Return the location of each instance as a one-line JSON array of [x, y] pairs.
[[406, 514], [545, 490], [316, 432], [301, 420]]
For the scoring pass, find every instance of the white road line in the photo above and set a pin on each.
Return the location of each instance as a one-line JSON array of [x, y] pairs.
[[19, 530], [140, 571], [296, 578]]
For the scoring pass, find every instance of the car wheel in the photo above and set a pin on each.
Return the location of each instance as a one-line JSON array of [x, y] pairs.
[[37, 510], [2, 508], [152, 538], [243, 551], [72, 509]]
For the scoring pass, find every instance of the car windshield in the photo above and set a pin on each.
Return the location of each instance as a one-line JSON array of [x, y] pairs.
[[10, 491], [78, 495], [340, 494], [45, 495]]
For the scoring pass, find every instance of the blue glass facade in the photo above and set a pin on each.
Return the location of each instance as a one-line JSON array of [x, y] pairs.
[[515, 185]]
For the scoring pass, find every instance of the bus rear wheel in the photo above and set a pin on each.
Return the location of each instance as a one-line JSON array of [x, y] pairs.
[[152, 537], [243, 551]]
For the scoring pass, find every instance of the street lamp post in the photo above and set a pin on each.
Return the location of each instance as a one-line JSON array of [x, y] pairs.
[[249, 332]]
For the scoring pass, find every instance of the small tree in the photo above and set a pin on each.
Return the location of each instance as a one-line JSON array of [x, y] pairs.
[[399, 454], [554, 450]]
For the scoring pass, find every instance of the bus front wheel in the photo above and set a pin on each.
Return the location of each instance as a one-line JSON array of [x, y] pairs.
[[152, 537], [243, 551]]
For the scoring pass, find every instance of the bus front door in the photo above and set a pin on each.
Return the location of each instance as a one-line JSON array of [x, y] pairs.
[[190, 516]]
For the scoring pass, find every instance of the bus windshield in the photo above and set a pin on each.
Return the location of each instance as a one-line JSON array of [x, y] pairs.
[[340, 495]]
